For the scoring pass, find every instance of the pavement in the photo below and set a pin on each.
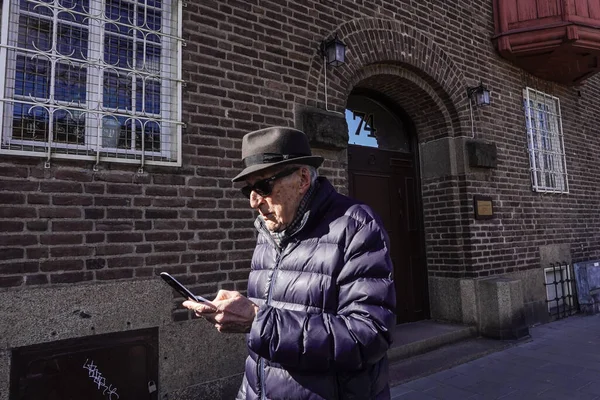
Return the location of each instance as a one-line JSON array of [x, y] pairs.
[[561, 361]]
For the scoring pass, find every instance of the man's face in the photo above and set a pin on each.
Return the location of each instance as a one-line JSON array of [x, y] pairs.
[[278, 208]]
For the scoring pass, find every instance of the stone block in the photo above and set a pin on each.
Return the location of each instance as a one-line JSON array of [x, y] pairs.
[[225, 388], [4, 374], [437, 158], [193, 353], [324, 129], [553, 253], [481, 154], [44, 314], [534, 295], [501, 308], [445, 299], [468, 298]]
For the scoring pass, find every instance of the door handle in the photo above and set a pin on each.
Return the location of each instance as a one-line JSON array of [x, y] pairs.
[[401, 202]]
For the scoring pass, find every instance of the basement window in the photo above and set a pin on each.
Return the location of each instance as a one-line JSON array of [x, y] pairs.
[[113, 366], [93, 80], [560, 290], [545, 142]]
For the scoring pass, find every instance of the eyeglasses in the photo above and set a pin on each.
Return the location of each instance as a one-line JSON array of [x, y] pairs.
[[264, 187]]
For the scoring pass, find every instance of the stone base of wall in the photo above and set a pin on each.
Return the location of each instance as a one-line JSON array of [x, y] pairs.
[[194, 358], [501, 307], [445, 299], [534, 295], [225, 388], [501, 311]]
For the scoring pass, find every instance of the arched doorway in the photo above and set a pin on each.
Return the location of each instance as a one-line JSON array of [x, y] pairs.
[[383, 173]]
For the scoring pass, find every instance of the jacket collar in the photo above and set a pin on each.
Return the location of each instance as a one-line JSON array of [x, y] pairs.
[[323, 192]]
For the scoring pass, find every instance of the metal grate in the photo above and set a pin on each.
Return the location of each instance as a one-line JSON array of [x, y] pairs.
[[561, 296], [92, 79], [545, 142]]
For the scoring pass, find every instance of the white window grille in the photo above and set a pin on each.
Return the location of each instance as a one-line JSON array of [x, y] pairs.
[[92, 79], [545, 141]]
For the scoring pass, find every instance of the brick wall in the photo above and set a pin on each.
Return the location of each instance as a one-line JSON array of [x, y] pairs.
[[251, 64]]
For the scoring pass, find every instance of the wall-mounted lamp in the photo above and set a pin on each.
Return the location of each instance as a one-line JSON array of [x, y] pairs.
[[482, 95], [334, 51]]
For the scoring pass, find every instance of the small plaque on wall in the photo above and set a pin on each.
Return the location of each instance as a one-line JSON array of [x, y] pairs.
[[484, 207]]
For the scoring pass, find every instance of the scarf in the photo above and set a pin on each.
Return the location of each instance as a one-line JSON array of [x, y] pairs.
[[300, 218]]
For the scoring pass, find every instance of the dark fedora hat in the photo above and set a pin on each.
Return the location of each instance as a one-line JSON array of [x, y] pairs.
[[275, 146]]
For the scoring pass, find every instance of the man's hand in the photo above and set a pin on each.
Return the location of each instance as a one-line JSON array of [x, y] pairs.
[[234, 313]]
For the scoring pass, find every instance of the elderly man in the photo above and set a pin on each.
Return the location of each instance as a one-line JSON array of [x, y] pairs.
[[320, 306]]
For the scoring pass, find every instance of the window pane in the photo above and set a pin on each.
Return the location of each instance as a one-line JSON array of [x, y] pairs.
[[77, 6], [117, 91], [34, 33], [30, 123], [36, 7], [69, 126], [371, 124], [148, 36], [148, 58], [118, 51], [153, 3], [32, 77], [149, 18], [72, 41], [358, 131], [77, 11], [121, 13], [150, 130], [148, 100], [70, 83]]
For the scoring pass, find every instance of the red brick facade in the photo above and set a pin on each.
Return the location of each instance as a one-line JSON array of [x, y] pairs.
[[252, 64]]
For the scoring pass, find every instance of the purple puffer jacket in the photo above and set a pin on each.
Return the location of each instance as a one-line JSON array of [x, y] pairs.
[[326, 307]]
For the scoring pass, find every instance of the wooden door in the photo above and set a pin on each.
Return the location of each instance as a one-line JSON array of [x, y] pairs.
[[387, 182]]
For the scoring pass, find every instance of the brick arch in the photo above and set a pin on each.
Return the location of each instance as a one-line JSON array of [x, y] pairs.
[[384, 42], [413, 94]]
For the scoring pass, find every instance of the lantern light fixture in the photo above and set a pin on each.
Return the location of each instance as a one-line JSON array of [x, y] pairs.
[[481, 93], [334, 51], [481, 96]]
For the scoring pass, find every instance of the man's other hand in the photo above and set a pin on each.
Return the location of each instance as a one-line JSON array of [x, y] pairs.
[[234, 313]]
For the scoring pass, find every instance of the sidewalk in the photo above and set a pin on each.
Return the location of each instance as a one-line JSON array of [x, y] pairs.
[[562, 361]]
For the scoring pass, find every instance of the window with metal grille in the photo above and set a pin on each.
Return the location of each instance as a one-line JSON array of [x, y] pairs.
[[92, 79], [545, 142], [561, 296]]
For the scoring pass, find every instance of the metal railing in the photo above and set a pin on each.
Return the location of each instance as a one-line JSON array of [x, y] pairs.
[[561, 296]]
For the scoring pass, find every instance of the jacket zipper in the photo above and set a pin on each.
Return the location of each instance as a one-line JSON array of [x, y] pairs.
[[269, 295], [280, 254]]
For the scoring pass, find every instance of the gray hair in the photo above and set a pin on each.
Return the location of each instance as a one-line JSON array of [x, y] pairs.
[[312, 170]]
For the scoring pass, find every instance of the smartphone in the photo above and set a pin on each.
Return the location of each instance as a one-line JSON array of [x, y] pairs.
[[182, 290]]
